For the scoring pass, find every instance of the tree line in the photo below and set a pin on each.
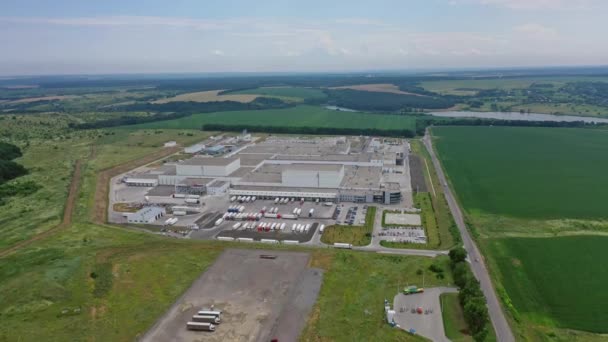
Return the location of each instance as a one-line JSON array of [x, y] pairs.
[[377, 101], [470, 296], [176, 110], [402, 133]]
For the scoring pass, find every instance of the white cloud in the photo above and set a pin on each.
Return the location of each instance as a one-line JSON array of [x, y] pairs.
[[536, 31], [535, 4], [217, 52]]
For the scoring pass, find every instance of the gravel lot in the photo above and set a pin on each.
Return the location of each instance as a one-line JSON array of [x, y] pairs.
[[260, 299]]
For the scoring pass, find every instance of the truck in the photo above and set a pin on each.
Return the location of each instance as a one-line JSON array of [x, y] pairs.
[[310, 212], [307, 228], [192, 201], [328, 204], [205, 312], [412, 290], [179, 213], [236, 225], [233, 198], [200, 326], [343, 245], [321, 229], [206, 319], [282, 226], [276, 200], [289, 217], [219, 221]]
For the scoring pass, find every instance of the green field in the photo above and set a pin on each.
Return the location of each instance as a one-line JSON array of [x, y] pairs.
[[540, 173], [286, 92], [455, 327], [556, 281], [300, 116], [355, 235], [350, 304]]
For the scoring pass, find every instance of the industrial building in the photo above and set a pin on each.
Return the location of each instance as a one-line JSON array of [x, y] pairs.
[[347, 169], [312, 175], [208, 167], [146, 215]]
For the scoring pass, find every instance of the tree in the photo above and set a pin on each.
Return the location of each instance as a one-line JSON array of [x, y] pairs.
[[461, 273], [458, 254], [476, 315]]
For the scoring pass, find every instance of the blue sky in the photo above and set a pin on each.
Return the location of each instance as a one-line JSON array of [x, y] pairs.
[[136, 36]]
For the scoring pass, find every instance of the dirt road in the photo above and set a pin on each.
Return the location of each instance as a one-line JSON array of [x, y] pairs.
[[499, 321]]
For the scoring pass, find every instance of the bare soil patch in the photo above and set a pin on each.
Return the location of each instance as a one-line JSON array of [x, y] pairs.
[[209, 96], [43, 98]]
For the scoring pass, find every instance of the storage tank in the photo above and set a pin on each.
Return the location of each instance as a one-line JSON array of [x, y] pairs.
[[199, 326]]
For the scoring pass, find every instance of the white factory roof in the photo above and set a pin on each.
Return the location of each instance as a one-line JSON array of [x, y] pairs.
[[314, 167], [209, 161], [217, 183]]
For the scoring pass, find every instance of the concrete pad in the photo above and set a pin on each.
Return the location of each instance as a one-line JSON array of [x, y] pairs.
[[403, 219]]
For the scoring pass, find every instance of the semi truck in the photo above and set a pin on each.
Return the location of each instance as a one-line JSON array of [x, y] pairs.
[[200, 326]]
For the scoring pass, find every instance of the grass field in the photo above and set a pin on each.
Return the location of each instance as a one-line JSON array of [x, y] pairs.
[[355, 235], [538, 173], [287, 93], [300, 116], [456, 328], [556, 281], [350, 304]]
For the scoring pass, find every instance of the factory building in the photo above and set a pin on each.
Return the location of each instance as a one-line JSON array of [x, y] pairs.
[[146, 180], [217, 187], [312, 175], [208, 167], [146, 215], [215, 150]]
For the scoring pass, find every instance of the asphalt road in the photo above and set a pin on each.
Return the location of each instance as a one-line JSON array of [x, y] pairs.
[[499, 321]]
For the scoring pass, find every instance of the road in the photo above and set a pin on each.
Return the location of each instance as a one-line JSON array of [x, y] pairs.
[[499, 321]]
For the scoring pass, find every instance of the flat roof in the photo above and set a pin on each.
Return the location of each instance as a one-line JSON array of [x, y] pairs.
[[195, 181], [217, 183], [313, 167], [162, 190], [209, 161]]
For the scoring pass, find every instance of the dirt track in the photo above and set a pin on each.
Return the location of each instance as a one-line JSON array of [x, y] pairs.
[[67, 214], [100, 210]]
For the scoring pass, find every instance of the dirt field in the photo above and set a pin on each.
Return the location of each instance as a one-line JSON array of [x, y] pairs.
[[209, 96], [417, 174], [378, 88], [260, 299]]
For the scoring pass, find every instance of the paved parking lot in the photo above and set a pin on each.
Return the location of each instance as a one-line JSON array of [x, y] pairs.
[[428, 324]]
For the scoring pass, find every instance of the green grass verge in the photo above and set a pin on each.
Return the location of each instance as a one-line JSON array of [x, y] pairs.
[[299, 116], [556, 281], [535, 173], [456, 328], [350, 304], [355, 235]]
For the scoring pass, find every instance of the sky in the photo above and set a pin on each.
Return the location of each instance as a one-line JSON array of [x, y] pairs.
[[155, 36]]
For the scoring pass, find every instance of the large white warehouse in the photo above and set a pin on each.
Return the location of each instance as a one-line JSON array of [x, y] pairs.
[[208, 167], [312, 175]]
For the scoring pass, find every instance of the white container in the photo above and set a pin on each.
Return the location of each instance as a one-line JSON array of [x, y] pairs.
[[244, 240], [219, 221], [206, 319], [199, 326], [179, 213], [343, 245], [291, 242], [307, 228], [271, 241], [322, 228], [236, 225], [267, 215], [225, 238]]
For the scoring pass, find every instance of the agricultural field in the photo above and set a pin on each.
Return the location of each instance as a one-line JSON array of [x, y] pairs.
[[533, 173], [296, 94], [355, 235], [208, 96], [299, 116], [378, 88], [555, 281], [472, 86]]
